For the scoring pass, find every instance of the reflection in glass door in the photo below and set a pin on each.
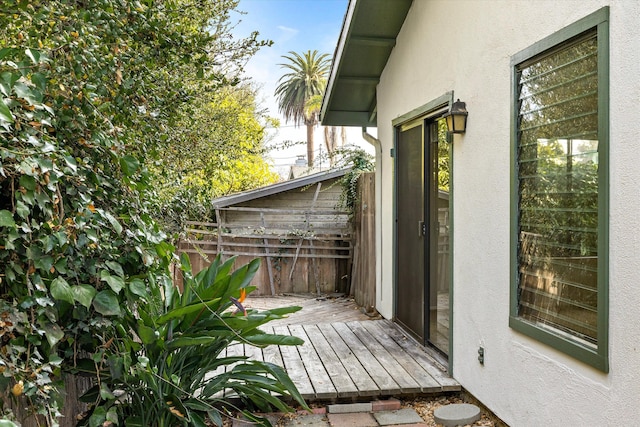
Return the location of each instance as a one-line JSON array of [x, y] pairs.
[[439, 234]]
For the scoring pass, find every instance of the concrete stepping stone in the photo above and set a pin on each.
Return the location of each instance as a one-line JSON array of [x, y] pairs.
[[400, 416], [456, 414]]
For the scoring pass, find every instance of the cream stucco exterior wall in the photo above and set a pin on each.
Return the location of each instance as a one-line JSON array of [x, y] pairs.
[[465, 46]]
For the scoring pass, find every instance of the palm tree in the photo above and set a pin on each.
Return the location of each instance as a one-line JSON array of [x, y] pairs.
[[307, 77], [332, 140]]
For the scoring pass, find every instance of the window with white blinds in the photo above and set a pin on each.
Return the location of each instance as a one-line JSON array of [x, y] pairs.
[[558, 188]]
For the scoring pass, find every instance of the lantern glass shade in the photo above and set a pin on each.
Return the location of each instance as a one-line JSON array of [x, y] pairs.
[[457, 117]]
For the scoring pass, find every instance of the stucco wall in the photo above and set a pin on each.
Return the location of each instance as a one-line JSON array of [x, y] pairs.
[[465, 47]]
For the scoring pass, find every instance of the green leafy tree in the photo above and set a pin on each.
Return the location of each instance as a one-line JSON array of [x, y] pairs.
[[306, 77], [89, 94], [216, 149]]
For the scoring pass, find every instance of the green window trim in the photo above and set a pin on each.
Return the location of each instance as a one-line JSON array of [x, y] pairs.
[[596, 354]]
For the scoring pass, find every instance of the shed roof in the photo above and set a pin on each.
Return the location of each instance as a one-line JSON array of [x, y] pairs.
[[367, 38], [245, 196]]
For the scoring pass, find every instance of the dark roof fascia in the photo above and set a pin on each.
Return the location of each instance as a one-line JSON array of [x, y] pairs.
[[370, 41], [337, 57], [234, 199]]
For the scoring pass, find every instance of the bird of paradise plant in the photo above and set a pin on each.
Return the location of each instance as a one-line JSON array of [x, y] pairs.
[[167, 365]]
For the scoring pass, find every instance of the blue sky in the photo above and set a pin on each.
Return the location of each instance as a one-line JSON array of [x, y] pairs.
[[292, 25]]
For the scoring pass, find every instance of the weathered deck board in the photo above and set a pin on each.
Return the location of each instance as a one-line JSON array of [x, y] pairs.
[[358, 358], [293, 365], [346, 356], [428, 384], [322, 385], [429, 364], [358, 374], [388, 361], [384, 381], [344, 385]]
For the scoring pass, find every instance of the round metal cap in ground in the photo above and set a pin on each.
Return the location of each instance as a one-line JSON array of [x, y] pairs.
[[456, 414]]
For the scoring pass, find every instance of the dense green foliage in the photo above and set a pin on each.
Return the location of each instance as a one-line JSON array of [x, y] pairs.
[[91, 93], [359, 162]]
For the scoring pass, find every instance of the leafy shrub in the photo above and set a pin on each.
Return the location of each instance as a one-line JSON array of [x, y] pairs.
[[166, 365]]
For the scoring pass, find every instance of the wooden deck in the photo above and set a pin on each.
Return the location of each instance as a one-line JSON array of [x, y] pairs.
[[361, 358]]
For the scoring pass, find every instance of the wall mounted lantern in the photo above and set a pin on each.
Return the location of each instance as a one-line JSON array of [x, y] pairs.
[[457, 117]]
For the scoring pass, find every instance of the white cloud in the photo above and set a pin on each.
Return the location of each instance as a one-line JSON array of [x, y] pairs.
[[287, 33]]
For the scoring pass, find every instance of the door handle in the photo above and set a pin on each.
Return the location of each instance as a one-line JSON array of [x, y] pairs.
[[422, 229]]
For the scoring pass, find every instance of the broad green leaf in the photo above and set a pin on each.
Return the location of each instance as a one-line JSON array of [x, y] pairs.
[[180, 312], [196, 419], [138, 287], [5, 113], [105, 393], [61, 290], [129, 165], [28, 182], [32, 95], [106, 303], [112, 415], [191, 341], [115, 283], [71, 163], [113, 221], [281, 311], [83, 294], [6, 219], [44, 263], [5, 51], [39, 80], [34, 55], [115, 267], [98, 417], [147, 335], [270, 339], [53, 333]]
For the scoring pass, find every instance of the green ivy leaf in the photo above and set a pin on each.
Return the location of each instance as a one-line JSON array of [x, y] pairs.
[[114, 282], [28, 182], [53, 333], [44, 263], [61, 290], [5, 113], [98, 417], [106, 303], [129, 165], [22, 210], [6, 219], [113, 221], [84, 294]]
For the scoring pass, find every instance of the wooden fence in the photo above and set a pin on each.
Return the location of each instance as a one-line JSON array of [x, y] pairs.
[[363, 276], [303, 250], [295, 261]]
